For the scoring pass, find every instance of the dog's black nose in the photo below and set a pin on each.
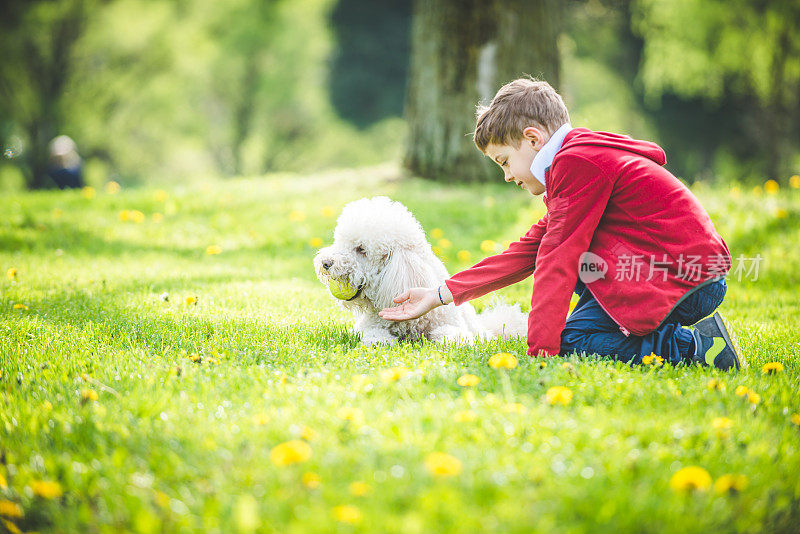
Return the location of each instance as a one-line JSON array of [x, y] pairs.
[[327, 264]]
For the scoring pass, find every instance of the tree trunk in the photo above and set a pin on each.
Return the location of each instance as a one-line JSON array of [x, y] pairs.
[[462, 51]]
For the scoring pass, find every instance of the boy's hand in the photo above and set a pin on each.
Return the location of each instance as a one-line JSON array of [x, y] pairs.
[[414, 303]]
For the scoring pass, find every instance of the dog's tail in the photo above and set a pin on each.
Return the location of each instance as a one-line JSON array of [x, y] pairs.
[[504, 321]]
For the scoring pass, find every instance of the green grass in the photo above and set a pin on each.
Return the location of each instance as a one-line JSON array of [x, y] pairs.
[[176, 445]]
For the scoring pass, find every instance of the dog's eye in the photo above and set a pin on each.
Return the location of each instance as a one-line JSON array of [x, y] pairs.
[[360, 250]]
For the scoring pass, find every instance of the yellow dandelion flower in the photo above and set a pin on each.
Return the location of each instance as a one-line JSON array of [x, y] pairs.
[[112, 188], [307, 433], [690, 478], [12, 528], [359, 489], [741, 391], [781, 213], [327, 211], [649, 359], [290, 452], [211, 250], [20, 306], [437, 251], [347, 513], [444, 243], [47, 489], [350, 414], [771, 187], [195, 358], [260, 419], [157, 217], [514, 407], [311, 480], [136, 216], [735, 191], [542, 364], [772, 368], [568, 366], [487, 245], [468, 380], [394, 374], [124, 216], [715, 384], [795, 418], [191, 300], [441, 464], [757, 191], [3, 483], [466, 416], [721, 423], [11, 273], [794, 182], [559, 395], [160, 195], [88, 192], [463, 255], [315, 242], [297, 216], [437, 233], [88, 395], [753, 398], [730, 484], [503, 360], [10, 509]]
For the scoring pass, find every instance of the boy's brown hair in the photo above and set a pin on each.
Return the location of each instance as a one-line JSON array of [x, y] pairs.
[[517, 105]]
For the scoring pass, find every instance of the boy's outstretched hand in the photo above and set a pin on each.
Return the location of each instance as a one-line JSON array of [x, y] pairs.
[[414, 303]]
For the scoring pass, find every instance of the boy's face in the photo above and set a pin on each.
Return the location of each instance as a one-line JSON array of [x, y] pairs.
[[516, 161]]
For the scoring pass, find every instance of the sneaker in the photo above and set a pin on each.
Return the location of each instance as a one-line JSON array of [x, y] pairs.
[[715, 344]]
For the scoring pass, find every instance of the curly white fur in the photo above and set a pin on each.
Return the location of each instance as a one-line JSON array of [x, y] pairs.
[[380, 247]]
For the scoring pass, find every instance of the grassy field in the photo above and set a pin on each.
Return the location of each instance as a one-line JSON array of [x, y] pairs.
[[170, 363]]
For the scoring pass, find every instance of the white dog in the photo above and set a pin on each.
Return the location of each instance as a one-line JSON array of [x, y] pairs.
[[380, 248]]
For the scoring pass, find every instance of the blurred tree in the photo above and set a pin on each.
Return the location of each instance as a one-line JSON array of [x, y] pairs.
[[243, 33], [743, 53], [462, 52], [370, 63], [37, 38]]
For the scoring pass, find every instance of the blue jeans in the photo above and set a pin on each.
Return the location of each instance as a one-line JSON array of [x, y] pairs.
[[589, 329]]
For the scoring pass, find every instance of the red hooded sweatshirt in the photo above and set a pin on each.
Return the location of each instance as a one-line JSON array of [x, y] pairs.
[[650, 240]]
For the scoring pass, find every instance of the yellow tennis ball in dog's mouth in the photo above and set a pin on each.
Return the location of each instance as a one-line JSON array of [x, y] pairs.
[[342, 290]]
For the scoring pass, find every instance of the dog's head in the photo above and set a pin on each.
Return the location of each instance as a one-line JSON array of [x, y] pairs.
[[380, 248]]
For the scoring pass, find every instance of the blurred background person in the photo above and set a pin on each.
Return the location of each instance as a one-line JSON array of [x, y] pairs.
[[65, 164]]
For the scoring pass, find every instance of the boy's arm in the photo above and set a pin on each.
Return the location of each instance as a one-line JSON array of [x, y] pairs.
[[580, 191], [512, 265]]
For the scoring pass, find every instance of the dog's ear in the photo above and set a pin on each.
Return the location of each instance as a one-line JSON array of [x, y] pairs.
[[404, 269]]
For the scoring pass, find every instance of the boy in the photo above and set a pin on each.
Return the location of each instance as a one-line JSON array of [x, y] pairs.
[[621, 231]]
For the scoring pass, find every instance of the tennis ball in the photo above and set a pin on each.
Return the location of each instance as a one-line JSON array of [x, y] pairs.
[[342, 290]]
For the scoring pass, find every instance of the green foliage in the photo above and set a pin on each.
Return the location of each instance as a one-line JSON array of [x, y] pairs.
[[195, 88], [369, 68], [742, 53], [191, 398]]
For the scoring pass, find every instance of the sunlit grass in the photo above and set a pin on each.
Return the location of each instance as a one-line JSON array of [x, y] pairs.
[[156, 361]]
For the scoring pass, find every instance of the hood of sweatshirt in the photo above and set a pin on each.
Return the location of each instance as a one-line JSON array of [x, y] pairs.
[[585, 137]]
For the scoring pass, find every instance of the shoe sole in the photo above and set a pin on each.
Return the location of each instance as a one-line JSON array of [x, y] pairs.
[[727, 334]]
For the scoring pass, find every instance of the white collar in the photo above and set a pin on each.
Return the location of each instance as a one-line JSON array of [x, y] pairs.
[[544, 158]]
